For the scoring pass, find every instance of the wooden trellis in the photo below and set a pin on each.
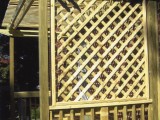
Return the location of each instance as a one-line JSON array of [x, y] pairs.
[[100, 51], [99, 61]]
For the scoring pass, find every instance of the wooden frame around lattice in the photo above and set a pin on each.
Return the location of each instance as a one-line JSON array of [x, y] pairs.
[[99, 52]]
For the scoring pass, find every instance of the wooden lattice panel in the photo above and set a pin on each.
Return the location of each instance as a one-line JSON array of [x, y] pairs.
[[100, 51]]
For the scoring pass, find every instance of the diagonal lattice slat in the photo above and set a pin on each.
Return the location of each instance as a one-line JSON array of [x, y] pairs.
[[100, 51]]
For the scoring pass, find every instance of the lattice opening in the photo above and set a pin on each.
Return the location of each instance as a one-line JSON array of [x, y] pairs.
[[100, 51]]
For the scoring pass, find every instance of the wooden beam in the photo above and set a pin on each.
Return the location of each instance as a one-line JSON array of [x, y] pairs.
[[20, 33], [18, 9], [22, 9], [43, 60], [153, 55], [13, 0], [90, 104], [27, 94], [11, 74]]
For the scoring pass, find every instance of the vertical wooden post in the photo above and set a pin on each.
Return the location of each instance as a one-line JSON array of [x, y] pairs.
[[60, 115], [153, 54], [92, 114], [145, 46], [159, 89], [43, 59], [133, 112], [82, 114], [159, 86], [104, 113], [150, 115], [71, 114], [158, 22], [142, 112], [158, 15], [124, 112], [11, 74], [115, 113], [50, 115], [53, 49]]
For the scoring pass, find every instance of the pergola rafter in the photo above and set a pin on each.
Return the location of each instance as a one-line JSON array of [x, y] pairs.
[[21, 10]]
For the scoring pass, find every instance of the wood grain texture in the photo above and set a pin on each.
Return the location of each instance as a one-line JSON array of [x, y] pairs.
[[43, 60], [117, 112], [53, 52], [153, 55], [20, 12], [11, 75], [104, 113]]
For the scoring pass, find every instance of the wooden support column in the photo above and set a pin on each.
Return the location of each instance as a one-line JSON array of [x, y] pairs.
[[43, 60], [11, 74], [158, 17], [153, 55], [53, 49]]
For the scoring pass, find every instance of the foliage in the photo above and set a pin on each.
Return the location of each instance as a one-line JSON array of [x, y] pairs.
[[4, 77], [4, 58], [35, 113]]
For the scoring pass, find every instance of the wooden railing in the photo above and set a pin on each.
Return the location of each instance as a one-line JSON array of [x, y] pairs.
[[127, 112]]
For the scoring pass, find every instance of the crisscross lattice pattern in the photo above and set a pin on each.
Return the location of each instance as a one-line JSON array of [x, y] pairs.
[[100, 51]]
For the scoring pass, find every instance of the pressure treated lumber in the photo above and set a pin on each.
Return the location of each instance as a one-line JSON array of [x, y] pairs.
[[11, 75], [19, 33], [104, 113], [126, 22], [117, 112], [53, 51], [153, 55], [21, 11], [18, 10], [28, 94], [43, 60]]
